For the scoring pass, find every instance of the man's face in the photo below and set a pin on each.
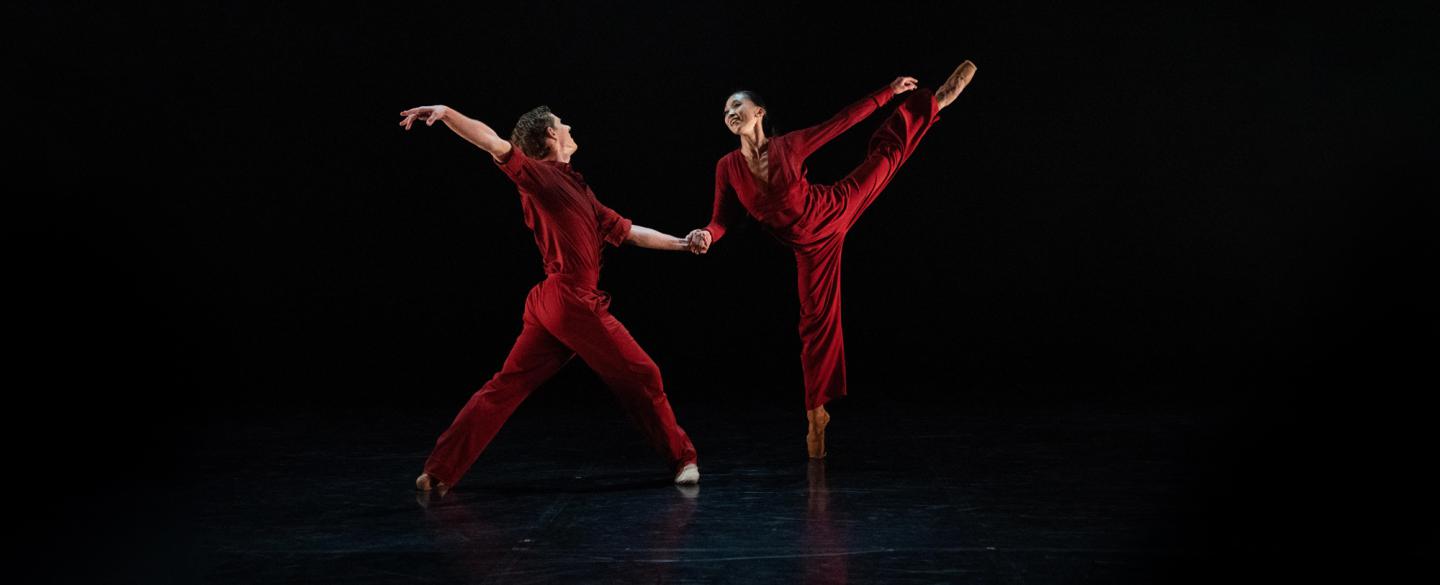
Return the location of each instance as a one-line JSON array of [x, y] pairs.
[[565, 144]]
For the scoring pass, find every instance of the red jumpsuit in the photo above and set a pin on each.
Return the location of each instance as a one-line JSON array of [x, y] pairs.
[[813, 219], [565, 316]]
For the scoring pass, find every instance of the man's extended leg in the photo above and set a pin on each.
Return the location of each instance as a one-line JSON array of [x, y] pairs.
[[536, 357], [608, 348]]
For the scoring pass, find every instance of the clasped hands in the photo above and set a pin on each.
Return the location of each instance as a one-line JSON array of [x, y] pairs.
[[698, 241]]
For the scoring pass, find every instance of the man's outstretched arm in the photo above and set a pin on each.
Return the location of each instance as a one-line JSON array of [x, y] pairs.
[[474, 131], [647, 238]]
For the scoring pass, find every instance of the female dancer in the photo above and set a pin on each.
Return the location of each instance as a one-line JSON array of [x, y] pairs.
[[766, 178]]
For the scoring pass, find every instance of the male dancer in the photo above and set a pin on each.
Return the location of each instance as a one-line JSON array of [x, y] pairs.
[[565, 315]]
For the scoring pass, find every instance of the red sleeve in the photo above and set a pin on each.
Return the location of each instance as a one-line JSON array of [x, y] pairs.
[[520, 169], [806, 141], [613, 228], [727, 208]]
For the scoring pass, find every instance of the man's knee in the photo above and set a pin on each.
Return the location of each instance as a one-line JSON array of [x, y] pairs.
[[647, 375], [639, 378]]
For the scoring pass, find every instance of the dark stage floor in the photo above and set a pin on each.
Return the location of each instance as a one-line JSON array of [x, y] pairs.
[[913, 492]]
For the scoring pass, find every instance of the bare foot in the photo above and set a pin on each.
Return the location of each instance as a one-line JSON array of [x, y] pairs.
[[425, 483], [956, 84], [815, 439]]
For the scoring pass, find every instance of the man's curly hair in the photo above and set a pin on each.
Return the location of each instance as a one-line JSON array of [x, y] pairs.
[[530, 132]]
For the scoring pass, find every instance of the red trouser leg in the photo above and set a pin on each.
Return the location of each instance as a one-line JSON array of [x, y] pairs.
[[889, 147], [559, 317], [822, 341], [822, 353], [608, 348], [536, 357]]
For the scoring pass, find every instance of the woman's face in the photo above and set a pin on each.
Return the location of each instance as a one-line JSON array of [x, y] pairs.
[[741, 114]]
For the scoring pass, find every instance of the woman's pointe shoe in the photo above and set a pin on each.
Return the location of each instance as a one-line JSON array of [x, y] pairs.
[[815, 439], [955, 84]]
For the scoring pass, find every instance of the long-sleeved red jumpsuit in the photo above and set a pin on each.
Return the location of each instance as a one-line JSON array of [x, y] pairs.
[[565, 316], [813, 219]]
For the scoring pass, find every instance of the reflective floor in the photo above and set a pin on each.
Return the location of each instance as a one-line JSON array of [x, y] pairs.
[[911, 493]]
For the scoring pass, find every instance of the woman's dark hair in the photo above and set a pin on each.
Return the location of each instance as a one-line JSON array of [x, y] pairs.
[[532, 130], [759, 102]]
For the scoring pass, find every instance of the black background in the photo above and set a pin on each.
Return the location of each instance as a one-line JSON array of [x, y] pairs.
[[1197, 205]]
